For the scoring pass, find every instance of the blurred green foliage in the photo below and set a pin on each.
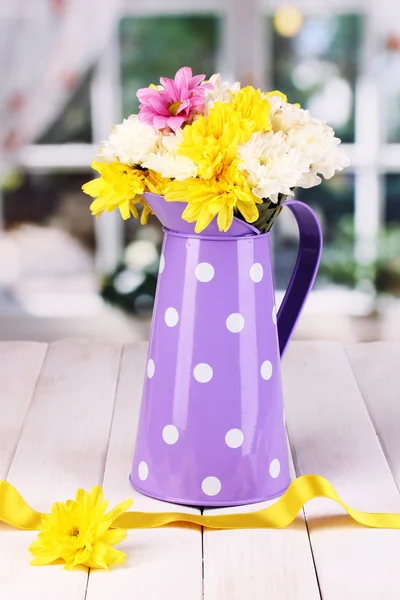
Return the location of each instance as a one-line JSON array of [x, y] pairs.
[[154, 47], [338, 264]]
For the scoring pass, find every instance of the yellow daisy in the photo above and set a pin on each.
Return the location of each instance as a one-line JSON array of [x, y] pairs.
[[212, 143], [252, 108], [78, 533], [119, 186], [220, 195]]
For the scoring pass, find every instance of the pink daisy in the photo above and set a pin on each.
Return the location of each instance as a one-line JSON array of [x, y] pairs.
[[176, 103]]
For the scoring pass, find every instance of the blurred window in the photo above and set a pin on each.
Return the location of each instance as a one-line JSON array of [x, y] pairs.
[[317, 66], [333, 202], [389, 69], [392, 199], [74, 124], [154, 47]]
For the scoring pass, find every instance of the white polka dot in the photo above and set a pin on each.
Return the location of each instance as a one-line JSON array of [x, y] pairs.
[[171, 317], [204, 272], [211, 486], [203, 373], [275, 468], [235, 322], [266, 370], [234, 438], [143, 471], [162, 264], [170, 434], [150, 368], [256, 272], [274, 315]]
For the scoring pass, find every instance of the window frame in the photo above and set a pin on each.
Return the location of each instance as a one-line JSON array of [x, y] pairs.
[[245, 56]]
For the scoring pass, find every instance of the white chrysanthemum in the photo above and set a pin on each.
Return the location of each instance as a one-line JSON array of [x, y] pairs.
[[222, 92], [129, 142], [314, 138], [167, 162], [270, 165], [319, 146], [285, 116]]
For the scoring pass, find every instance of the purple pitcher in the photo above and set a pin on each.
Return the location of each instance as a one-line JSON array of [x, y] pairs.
[[211, 429]]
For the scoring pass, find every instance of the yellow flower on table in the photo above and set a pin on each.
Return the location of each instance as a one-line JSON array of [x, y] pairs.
[[78, 533]]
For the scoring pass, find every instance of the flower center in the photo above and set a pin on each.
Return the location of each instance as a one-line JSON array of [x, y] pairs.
[[173, 108], [74, 532]]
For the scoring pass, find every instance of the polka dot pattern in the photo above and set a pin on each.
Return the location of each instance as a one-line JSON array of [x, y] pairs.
[[199, 292], [266, 370], [235, 322], [204, 272], [275, 468], [171, 317], [211, 486], [256, 272], [170, 434], [203, 373], [234, 438], [150, 368], [143, 471]]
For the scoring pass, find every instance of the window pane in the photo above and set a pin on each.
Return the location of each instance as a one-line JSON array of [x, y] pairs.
[[390, 82], [74, 123], [318, 67], [392, 215], [333, 202], [154, 47]]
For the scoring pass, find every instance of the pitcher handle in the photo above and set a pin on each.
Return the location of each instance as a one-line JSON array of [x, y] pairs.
[[304, 273]]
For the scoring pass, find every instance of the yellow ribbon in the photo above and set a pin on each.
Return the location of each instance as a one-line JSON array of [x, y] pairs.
[[16, 512]]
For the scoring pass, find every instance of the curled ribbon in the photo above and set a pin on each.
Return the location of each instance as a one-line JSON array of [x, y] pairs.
[[16, 512]]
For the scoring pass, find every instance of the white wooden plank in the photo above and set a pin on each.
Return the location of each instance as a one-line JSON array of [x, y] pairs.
[[20, 364], [376, 367], [332, 435], [259, 564], [62, 447], [161, 564]]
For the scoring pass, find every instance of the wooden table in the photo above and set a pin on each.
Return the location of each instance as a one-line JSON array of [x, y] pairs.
[[68, 419]]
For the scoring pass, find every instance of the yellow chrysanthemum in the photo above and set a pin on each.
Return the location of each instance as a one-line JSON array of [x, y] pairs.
[[119, 186], [212, 143], [78, 533], [252, 108], [216, 196], [155, 183]]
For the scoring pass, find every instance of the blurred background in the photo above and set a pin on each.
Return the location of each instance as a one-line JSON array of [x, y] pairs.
[[70, 68]]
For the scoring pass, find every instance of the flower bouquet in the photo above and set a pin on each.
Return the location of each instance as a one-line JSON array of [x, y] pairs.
[[223, 150], [216, 164]]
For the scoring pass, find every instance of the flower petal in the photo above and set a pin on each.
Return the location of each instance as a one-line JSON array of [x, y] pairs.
[[175, 122], [160, 122], [182, 78], [158, 107], [114, 536], [118, 510], [169, 86], [195, 81]]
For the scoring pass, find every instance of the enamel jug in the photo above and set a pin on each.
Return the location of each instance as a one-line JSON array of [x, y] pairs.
[[211, 429]]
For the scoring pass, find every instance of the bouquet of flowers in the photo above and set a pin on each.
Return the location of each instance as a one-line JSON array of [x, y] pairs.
[[224, 150]]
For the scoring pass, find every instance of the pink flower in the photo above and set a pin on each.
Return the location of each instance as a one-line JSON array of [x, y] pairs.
[[179, 100]]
